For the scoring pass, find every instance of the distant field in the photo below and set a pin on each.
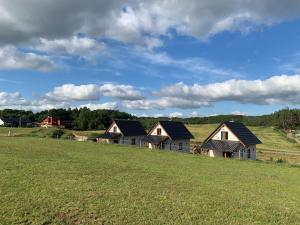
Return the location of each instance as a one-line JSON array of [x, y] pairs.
[[49, 181], [276, 144]]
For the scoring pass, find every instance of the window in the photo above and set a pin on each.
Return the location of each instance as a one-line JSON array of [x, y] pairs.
[[249, 153], [133, 141], [242, 154], [180, 146], [224, 135], [158, 131], [115, 129]]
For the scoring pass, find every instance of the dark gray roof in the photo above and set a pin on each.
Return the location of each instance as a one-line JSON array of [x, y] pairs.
[[176, 130], [130, 127], [222, 146], [155, 139], [243, 133], [109, 135], [14, 120]]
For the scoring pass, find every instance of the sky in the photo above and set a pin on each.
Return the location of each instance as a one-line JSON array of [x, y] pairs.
[[151, 58]]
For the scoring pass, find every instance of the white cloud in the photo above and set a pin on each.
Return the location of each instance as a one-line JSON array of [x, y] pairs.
[[162, 103], [13, 59], [75, 93], [193, 65], [276, 89], [72, 92], [123, 92], [106, 105], [128, 21], [239, 113], [82, 47], [194, 114], [11, 99], [158, 115], [175, 115]]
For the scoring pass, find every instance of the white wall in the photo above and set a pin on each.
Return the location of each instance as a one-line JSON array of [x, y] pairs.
[[154, 130], [1, 122], [111, 129], [231, 136], [243, 154], [174, 145]]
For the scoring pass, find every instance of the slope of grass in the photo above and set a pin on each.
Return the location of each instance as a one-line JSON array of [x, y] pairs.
[[48, 181]]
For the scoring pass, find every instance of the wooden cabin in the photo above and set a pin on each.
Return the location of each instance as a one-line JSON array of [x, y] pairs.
[[169, 135], [231, 140], [128, 132]]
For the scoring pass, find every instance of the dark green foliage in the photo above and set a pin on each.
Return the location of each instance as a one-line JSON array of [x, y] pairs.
[[78, 119], [86, 119], [57, 133]]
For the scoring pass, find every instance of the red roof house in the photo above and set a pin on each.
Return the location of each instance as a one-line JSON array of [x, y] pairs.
[[51, 122]]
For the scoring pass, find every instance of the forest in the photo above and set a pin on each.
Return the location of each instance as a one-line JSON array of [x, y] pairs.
[[86, 119]]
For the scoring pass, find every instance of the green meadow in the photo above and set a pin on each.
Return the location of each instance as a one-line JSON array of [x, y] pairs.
[[50, 181]]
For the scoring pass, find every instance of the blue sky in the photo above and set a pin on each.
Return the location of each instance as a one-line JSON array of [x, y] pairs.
[[150, 57]]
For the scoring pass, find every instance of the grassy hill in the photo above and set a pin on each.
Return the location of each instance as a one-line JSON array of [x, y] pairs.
[[276, 144], [49, 181]]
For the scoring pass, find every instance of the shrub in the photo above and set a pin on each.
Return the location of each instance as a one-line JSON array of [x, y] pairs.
[[57, 133]]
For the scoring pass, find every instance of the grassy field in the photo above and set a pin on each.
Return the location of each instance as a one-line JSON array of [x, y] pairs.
[[49, 181], [276, 144]]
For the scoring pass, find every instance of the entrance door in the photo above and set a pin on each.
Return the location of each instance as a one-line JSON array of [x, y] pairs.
[[227, 154]]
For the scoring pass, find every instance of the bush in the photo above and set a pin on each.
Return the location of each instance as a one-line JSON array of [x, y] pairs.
[[57, 133], [280, 161]]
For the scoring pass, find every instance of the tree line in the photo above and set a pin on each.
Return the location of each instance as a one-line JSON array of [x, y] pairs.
[[86, 119]]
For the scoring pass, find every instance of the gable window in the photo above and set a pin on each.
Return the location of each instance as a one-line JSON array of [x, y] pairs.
[[133, 141], [180, 146], [224, 135], [158, 131], [115, 129]]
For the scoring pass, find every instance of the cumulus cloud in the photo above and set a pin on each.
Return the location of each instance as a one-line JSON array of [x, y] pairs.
[[165, 102], [11, 99], [128, 21], [123, 92], [194, 114], [175, 115], [276, 89], [13, 59], [106, 105], [72, 92], [82, 47]]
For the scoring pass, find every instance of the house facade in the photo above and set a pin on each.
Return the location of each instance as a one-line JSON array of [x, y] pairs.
[[127, 132], [15, 122], [51, 122], [169, 135], [231, 140]]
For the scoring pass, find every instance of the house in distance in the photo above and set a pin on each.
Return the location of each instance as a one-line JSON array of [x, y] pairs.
[[15, 122], [51, 122], [169, 135], [231, 140], [128, 132]]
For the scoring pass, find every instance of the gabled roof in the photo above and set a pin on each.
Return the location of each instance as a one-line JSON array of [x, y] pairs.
[[14, 120], [218, 145], [130, 127], [109, 135], [176, 130], [155, 139], [240, 131]]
